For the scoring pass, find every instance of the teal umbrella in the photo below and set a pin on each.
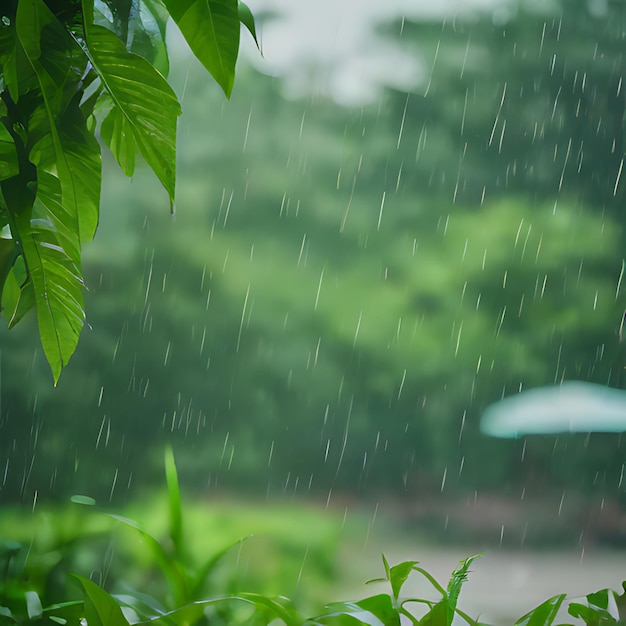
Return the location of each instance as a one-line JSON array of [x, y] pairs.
[[570, 407]]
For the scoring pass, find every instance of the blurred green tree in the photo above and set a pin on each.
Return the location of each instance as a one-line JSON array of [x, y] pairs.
[[326, 313]]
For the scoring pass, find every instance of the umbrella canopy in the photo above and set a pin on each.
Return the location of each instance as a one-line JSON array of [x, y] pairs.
[[566, 408]]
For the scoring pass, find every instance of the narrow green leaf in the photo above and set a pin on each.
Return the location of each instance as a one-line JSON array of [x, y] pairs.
[[247, 19], [280, 607], [175, 510], [167, 564], [145, 606], [101, 609], [203, 572], [431, 579], [459, 576], [386, 566], [134, 121], [211, 28], [544, 614]]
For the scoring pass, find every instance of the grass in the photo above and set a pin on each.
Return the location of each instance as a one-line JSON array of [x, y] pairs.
[[165, 563]]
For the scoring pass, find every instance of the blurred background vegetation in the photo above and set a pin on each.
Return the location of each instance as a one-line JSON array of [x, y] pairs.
[[343, 291]]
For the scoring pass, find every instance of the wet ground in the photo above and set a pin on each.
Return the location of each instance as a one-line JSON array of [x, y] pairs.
[[503, 584], [531, 551]]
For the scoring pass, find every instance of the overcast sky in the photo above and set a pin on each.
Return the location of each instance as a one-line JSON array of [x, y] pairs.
[[330, 46]]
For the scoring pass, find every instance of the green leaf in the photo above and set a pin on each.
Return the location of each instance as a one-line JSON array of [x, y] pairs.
[[50, 249], [597, 608], [147, 30], [140, 25], [15, 70], [51, 243], [101, 609], [544, 614], [398, 575], [431, 579], [116, 134], [8, 155], [591, 615], [373, 611], [280, 607], [459, 576], [8, 255], [247, 19], [145, 606], [437, 616], [17, 300], [133, 120], [173, 490], [169, 565], [77, 154], [620, 600], [16, 203], [211, 28], [203, 571]]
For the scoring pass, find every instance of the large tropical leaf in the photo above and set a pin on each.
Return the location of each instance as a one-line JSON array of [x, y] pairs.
[[143, 108], [141, 26], [148, 30], [71, 143], [8, 154], [50, 246], [211, 28], [15, 71], [68, 201], [52, 55]]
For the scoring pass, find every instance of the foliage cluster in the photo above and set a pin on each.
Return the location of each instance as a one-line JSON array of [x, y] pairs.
[[68, 70]]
